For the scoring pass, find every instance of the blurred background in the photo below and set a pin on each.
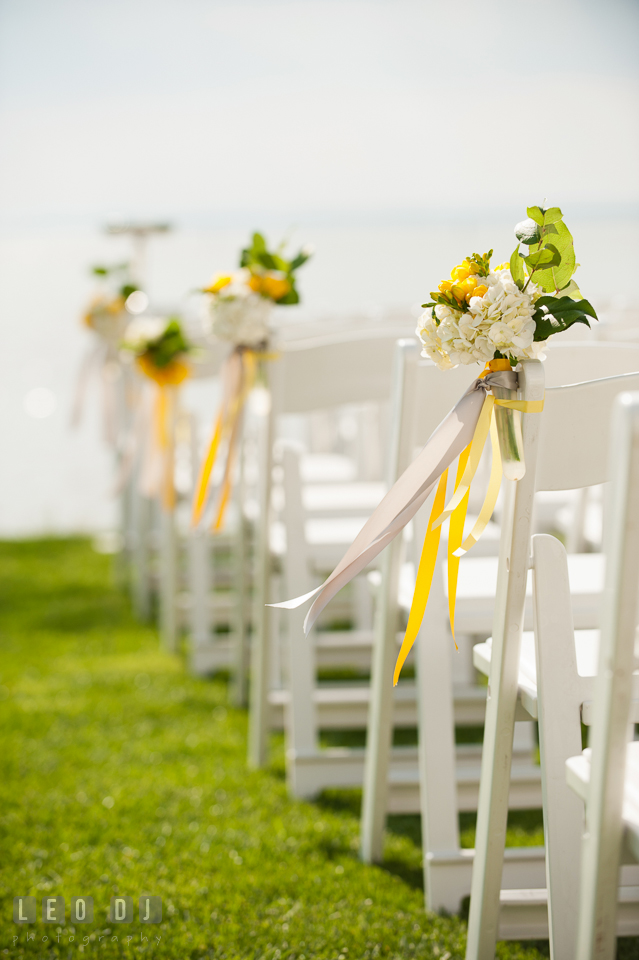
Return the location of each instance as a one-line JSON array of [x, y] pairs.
[[395, 136]]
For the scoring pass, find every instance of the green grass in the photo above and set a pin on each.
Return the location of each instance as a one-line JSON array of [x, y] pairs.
[[120, 774]]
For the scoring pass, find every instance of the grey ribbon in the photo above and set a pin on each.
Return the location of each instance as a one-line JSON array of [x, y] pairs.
[[408, 493]]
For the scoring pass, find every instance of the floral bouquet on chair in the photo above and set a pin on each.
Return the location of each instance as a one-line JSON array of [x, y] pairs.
[[241, 303], [160, 348], [114, 303], [497, 316], [507, 312]]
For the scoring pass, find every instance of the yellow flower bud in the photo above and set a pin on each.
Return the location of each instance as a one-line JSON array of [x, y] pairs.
[[445, 285], [461, 271], [479, 291], [221, 281], [503, 266]]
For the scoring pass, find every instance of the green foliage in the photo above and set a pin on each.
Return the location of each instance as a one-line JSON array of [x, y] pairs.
[[482, 261], [120, 273], [171, 344], [260, 260], [517, 267], [556, 314], [550, 263], [89, 709]]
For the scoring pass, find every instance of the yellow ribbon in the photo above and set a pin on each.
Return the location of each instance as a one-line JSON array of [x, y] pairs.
[[167, 380], [456, 510], [227, 428]]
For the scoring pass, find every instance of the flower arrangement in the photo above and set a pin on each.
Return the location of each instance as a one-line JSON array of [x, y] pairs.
[[112, 306], [509, 311], [160, 348], [242, 301]]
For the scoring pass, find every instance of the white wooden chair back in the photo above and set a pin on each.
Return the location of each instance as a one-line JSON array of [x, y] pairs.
[[311, 374], [566, 447], [321, 373], [423, 394], [602, 845]]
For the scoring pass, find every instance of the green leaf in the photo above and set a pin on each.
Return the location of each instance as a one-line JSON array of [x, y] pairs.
[[556, 314], [127, 289], [555, 277], [528, 232], [100, 271], [572, 290], [300, 259], [536, 214], [290, 298], [547, 256], [517, 267], [552, 215]]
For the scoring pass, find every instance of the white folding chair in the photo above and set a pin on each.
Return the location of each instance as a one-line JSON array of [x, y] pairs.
[[310, 374], [565, 448], [606, 776], [449, 775]]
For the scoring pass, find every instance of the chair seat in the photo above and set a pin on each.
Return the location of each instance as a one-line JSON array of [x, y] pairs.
[[477, 585], [339, 499], [578, 779], [587, 655]]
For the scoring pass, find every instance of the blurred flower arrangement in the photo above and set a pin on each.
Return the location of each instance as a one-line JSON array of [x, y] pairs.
[[113, 304], [241, 302], [509, 311], [160, 348]]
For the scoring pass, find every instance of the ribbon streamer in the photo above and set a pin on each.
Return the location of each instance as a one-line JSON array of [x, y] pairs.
[[238, 378], [462, 433]]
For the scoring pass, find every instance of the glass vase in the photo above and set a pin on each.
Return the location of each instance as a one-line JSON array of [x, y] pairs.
[[511, 442]]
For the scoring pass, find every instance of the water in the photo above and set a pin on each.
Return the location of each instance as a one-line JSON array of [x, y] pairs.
[[57, 480]]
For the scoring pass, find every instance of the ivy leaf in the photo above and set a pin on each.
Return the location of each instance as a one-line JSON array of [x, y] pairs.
[[528, 232], [552, 215], [556, 314], [536, 214], [548, 256], [517, 268]]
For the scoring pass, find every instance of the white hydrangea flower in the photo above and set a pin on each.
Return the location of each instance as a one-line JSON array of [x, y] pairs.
[[142, 331], [501, 319], [241, 319]]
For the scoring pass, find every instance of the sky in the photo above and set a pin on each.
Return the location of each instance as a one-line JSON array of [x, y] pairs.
[[330, 109], [394, 135]]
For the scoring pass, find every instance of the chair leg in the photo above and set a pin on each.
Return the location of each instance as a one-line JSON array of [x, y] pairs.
[[446, 873], [260, 647], [380, 716], [559, 738], [168, 581]]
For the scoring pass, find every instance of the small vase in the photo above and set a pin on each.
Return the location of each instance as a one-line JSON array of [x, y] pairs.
[[511, 441]]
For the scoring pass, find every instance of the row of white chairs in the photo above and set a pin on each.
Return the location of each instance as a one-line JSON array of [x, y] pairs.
[[438, 779]]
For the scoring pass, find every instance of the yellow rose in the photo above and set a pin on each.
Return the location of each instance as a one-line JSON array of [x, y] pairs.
[[480, 290], [269, 286]]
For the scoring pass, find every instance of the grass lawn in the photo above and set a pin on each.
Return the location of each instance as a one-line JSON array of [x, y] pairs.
[[121, 775]]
